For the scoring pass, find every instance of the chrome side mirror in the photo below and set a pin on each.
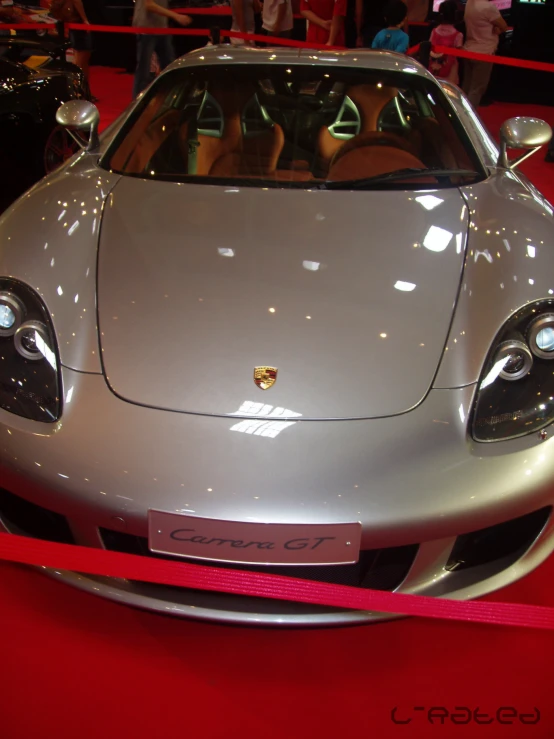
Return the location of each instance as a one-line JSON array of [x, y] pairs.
[[80, 115], [522, 133]]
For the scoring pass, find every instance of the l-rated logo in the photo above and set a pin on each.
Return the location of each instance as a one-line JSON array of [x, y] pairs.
[[464, 715]]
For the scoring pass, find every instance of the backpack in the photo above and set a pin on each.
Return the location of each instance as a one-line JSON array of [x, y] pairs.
[[65, 11], [441, 64]]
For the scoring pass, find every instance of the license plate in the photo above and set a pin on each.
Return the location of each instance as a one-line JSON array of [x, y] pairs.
[[253, 543]]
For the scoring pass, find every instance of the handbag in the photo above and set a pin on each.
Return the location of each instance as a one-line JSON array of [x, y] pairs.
[[65, 11]]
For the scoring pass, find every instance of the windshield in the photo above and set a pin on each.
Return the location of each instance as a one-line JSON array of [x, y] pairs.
[[294, 126]]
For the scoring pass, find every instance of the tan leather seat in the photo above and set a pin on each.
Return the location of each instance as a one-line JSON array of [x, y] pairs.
[[233, 153], [255, 155], [370, 101]]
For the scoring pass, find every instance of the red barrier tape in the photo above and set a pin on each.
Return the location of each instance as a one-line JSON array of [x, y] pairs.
[[506, 60], [28, 26], [272, 40], [28, 551], [225, 10], [152, 31], [219, 10]]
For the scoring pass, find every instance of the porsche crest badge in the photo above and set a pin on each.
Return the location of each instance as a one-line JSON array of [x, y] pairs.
[[265, 377]]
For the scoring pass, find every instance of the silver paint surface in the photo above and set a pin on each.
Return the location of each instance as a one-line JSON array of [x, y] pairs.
[[509, 263], [49, 239], [205, 299]]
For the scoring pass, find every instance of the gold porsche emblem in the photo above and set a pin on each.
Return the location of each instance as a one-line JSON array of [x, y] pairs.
[[265, 377]]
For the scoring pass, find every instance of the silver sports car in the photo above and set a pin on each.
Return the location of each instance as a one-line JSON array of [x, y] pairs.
[[293, 313]]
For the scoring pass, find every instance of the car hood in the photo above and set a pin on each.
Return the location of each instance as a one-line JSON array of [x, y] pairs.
[[349, 295]]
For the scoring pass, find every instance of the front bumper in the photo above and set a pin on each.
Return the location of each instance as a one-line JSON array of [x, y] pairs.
[[413, 481]]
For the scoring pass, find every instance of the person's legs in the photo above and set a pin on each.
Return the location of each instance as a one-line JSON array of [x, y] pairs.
[[81, 41], [82, 60], [467, 70], [145, 49], [479, 77], [164, 50]]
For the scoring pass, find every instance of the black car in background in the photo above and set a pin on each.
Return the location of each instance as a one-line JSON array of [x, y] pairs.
[[35, 79]]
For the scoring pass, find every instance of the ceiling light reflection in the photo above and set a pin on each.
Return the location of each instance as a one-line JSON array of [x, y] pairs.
[[311, 266], [406, 287], [437, 239], [266, 427], [429, 201]]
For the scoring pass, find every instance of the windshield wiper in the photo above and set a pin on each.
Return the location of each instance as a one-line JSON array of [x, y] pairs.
[[408, 173]]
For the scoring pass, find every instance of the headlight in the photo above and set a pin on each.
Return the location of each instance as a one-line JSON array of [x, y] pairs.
[[29, 378], [541, 336], [513, 359], [515, 395], [11, 313]]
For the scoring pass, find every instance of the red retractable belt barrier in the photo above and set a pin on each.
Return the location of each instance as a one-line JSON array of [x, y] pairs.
[[278, 587], [272, 40], [506, 60], [28, 26], [153, 31]]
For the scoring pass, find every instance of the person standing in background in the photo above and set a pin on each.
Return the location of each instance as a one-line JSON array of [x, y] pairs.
[[148, 13], [277, 18], [73, 11], [370, 19], [484, 24], [325, 21], [244, 19], [81, 41]]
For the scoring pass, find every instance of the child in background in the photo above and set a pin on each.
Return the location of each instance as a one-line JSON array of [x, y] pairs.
[[393, 38], [445, 66]]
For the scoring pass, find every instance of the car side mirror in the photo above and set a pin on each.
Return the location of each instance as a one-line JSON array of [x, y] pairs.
[[80, 115], [522, 133]]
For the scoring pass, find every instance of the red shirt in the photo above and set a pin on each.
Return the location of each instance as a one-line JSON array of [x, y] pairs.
[[326, 10]]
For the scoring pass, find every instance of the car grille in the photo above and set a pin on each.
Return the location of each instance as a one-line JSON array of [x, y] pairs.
[[510, 539], [379, 569], [21, 517]]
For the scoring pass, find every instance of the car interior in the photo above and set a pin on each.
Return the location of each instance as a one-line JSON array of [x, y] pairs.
[[321, 126]]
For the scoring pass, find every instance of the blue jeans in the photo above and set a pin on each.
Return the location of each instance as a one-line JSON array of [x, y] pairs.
[[146, 46]]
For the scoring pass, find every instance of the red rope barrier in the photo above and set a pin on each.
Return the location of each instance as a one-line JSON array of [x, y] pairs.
[[153, 31], [223, 11], [506, 60], [29, 26], [272, 40], [75, 558]]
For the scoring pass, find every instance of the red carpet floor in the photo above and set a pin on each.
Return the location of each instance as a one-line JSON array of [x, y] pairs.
[[76, 667]]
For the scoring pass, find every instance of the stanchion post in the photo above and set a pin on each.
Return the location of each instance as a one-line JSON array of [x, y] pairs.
[[215, 33], [424, 53], [60, 30]]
